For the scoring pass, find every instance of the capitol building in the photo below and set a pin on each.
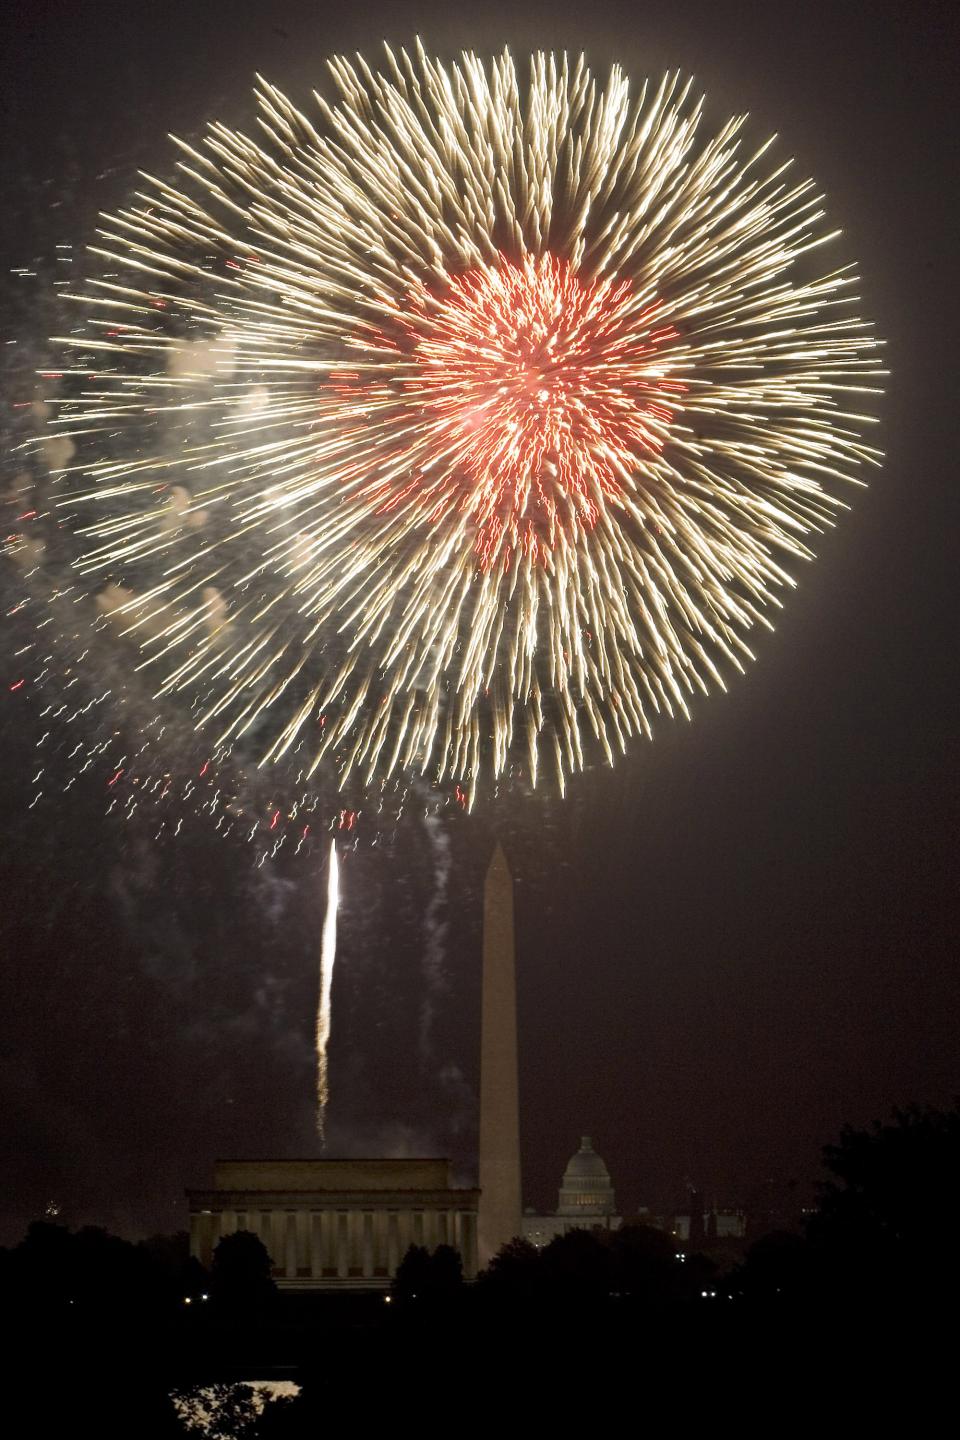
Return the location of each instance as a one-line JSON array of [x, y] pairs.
[[585, 1202]]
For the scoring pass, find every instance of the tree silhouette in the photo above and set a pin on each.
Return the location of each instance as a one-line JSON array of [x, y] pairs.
[[412, 1280], [88, 1268], [422, 1276], [516, 1271], [777, 1269], [645, 1263], [446, 1271], [579, 1267], [240, 1275], [883, 1227], [178, 1273]]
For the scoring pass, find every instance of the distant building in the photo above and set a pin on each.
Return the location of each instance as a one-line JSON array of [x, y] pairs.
[[336, 1224], [585, 1202], [717, 1225], [701, 1224]]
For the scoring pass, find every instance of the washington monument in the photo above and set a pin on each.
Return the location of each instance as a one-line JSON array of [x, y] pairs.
[[499, 1216]]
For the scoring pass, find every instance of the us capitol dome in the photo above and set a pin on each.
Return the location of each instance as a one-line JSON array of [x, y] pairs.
[[585, 1201]]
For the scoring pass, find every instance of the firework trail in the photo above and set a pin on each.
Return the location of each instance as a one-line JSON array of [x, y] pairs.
[[474, 422], [328, 955]]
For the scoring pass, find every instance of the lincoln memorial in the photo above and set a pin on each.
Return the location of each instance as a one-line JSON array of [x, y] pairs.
[[336, 1224]]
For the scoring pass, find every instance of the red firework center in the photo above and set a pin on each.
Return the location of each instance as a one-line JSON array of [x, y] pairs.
[[537, 393]]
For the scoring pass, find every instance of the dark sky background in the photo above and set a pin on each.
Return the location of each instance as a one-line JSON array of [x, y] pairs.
[[742, 938]]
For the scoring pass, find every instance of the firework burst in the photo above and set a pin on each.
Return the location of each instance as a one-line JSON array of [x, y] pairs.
[[474, 421]]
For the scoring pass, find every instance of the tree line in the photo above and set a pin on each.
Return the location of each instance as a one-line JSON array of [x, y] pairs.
[[142, 1329]]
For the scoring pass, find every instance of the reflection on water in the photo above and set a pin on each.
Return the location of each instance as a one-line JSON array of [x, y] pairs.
[[207, 1408]]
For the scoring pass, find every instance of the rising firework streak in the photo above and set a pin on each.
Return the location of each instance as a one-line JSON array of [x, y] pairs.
[[328, 955], [473, 421]]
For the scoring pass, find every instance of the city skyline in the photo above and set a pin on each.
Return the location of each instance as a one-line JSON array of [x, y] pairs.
[[730, 945]]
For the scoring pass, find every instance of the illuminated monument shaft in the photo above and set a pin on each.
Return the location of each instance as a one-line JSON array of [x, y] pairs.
[[499, 1217]]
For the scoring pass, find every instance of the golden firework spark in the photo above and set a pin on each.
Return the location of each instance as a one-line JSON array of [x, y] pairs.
[[472, 419]]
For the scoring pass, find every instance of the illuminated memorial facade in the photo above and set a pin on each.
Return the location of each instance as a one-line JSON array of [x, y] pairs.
[[336, 1224]]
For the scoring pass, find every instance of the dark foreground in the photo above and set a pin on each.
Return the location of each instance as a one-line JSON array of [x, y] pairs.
[[849, 1323]]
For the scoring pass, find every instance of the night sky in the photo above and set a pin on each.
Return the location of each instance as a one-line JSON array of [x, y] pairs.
[[740, 939]]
